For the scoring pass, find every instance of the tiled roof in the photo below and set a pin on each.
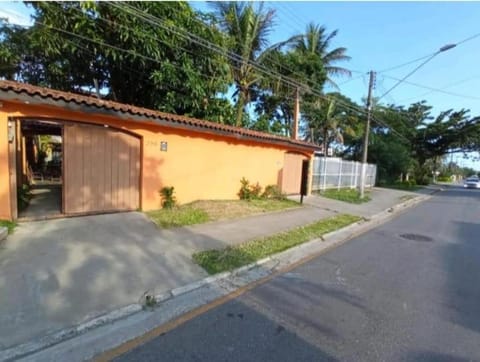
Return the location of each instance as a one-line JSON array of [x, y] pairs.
[[193, 123]]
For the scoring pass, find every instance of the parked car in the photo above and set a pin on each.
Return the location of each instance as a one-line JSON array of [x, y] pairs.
[[472, 183]]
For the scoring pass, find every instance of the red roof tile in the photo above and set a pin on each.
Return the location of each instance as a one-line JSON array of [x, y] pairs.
[[199, 125]]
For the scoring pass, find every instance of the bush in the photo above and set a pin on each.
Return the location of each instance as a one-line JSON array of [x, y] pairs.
[[444, 178], [249, 191], [255, 191], [424, 181], [273, 192], [168, 197]]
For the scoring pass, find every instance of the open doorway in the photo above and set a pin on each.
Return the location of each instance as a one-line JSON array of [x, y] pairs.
[[39, 169]]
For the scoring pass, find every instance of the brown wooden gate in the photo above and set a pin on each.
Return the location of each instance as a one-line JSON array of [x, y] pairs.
[[101, 170], [292, 173]]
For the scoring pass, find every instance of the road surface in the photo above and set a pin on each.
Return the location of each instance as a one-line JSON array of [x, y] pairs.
[[379, 297]]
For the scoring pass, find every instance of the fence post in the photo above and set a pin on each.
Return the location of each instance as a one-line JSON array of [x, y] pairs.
[[339, 174], [352, 174], [325, 159], [356, 175]]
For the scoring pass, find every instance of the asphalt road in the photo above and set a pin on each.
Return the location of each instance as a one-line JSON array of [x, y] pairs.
[[379, 297]]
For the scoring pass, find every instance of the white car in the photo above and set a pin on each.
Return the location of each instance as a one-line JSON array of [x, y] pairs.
[[472, 183]]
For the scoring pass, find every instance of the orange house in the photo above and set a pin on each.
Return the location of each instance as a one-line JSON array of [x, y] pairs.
[[116, 157]]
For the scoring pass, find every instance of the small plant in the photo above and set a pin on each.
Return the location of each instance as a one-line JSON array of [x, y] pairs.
[[255, 191], [168, 197], [148, 300], [23, 196], [249, 191], [10, 225], [273, 192], [244, 193]]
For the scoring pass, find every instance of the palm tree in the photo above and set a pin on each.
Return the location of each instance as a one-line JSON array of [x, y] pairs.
[[324, 121], [247, 29], [316, 40]]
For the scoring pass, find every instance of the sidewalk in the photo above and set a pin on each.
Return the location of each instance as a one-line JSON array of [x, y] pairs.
[[381, 199], [58, 273]]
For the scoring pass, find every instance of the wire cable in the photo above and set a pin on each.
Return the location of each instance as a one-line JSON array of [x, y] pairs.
[[431, 89]]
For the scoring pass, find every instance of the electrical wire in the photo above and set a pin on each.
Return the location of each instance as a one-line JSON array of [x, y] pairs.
[[400, 81], [431, 89], [442, 88], [280, 77], [406, 63]]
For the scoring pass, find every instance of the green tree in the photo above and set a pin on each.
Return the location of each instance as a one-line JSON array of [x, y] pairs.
[[247, 27], [316, 41], [104, 46]]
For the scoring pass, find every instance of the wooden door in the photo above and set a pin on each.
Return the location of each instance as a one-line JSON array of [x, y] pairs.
[[292, 173], [101, 170]]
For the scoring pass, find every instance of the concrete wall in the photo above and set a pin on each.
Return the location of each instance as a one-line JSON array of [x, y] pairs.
[[4, 169], [200, 166]]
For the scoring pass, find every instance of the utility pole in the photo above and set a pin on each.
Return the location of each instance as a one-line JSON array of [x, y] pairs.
[[296, 115], [363, 175]]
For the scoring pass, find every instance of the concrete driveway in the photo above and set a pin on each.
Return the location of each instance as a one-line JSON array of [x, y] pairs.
[[58, 273]]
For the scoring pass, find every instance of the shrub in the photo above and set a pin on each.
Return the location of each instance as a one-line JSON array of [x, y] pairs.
[[273, 192], [249, 191], [255, 191], [444, 178], [168, 197], [244, 193], [424, 181]]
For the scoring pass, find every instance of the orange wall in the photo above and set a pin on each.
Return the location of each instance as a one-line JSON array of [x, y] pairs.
[[199, 166], [4, 169]]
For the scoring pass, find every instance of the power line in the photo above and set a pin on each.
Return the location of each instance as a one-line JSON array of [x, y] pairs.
[[400, 81], [431, 89], [229, 54], [442, 88], [469, 38], [268, 55], [405, 64], [281, 78]]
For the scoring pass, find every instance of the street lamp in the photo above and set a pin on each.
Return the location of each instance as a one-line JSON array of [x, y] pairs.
[[369, 110]]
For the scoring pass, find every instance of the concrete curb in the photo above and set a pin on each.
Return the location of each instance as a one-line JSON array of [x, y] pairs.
[[281, 261], [3, 233]]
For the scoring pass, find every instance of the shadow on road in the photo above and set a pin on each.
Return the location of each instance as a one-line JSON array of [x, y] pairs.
[[432, 356], [462, 258]]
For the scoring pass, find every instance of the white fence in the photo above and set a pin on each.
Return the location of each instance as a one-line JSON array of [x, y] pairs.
[[329, 173]]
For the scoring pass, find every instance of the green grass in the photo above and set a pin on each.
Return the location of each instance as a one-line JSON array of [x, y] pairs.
[[178, 216], [347, 195], [216, 261], [407, 197], [199, 212], [10, 225], [273, 205]]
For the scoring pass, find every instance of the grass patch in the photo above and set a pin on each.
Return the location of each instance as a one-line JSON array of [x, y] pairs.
[[216, 261], [10, 225], [199, 212], [407, 197], [232, 209], [347, 195], [178, 216]]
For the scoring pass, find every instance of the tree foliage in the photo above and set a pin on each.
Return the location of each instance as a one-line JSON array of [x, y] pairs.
[[76, 46]]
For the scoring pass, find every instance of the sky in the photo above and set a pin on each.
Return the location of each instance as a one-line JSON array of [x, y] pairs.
[[381, 35]]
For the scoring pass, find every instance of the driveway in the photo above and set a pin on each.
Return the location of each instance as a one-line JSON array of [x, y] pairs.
[[58, 273]]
